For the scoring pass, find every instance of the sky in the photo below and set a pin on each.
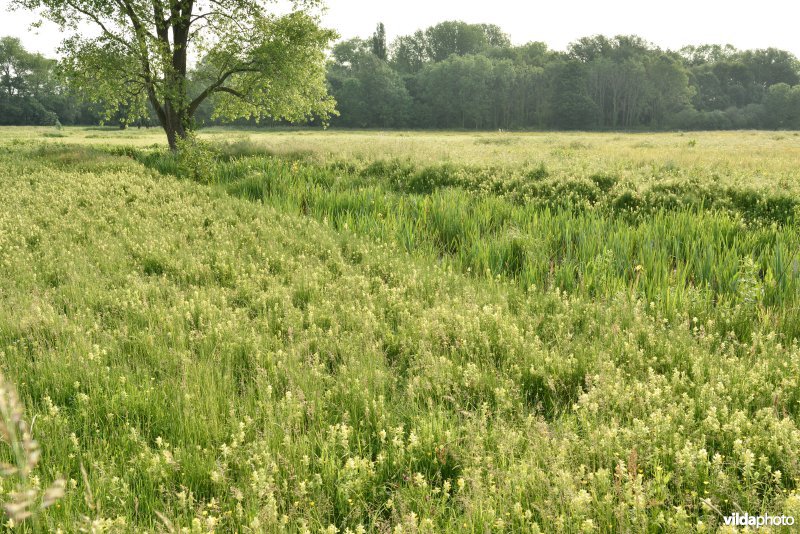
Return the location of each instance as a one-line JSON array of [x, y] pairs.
[[668, 24]]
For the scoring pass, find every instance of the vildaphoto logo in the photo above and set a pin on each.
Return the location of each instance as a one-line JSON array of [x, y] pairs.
[[747, 520]]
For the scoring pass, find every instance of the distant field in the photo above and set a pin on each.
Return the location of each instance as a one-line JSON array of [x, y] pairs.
[[306, 331], [747, 158]]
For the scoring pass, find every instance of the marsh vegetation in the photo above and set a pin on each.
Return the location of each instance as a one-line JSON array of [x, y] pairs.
[[361, 331]]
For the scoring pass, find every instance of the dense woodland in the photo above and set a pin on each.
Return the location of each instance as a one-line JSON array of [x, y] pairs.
[[31, 92], [469, 76]]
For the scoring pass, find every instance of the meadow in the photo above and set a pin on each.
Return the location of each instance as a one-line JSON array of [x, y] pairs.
[[307, 331]]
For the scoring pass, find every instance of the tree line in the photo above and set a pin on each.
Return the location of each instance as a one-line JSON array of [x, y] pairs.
[[470, 76], [456, 75], [32, 94]]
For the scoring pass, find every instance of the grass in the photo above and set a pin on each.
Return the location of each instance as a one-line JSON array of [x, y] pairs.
[[748, 159], [541, 334], [690, 249]]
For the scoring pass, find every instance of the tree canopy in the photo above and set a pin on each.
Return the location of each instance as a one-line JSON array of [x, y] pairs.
[[31, 93], [452, 75], [470, 76], [255, 63]]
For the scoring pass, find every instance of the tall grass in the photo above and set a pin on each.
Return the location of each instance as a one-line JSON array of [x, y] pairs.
[[729, 265], [300, 348], [24, 498]]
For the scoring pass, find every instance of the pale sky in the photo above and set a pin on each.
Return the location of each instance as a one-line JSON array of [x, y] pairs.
[[668, 24]]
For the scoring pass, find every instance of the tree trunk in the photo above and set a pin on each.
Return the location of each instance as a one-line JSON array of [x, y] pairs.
[[175, 124], [175, 117]]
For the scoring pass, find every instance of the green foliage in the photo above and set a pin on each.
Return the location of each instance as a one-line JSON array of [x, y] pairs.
[[457, 92], [368, 92], [285, 74], [571, 107], [469, 213], [378, 41], [30, 92], [459, 38], [195, 159], [254, 63], [452, 75], [468, 76], [782, 106]]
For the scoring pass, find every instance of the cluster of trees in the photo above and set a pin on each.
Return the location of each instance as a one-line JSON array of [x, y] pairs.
[[456, 75], [30, 91], [459, 75]]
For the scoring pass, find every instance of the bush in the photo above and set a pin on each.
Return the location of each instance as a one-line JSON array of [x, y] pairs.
[[196, 159]]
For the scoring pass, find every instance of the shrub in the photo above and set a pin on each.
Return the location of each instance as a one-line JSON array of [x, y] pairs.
[[195, 159]]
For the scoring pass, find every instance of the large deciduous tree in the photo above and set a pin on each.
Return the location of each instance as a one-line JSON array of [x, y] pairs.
[[255, 63]]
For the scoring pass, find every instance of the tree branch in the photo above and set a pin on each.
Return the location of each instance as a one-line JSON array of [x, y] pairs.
[[162, 25], [234, 92], [217, 87], [139, 29], [147, 72], [108, 33]]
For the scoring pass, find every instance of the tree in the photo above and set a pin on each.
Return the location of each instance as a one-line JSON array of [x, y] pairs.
[[772, 66], [459, 38], [409, 53], [457, 92], [379, 43], [704, 54], [22, 73], [709, 92], [255, 63], [26, 84], [782, 103], [348, 54], [534, 54], [571, 107], [670, 88], [588, 49], [369, 93]]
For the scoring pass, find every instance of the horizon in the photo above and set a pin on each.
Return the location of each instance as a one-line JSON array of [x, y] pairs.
[[671, 30]]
